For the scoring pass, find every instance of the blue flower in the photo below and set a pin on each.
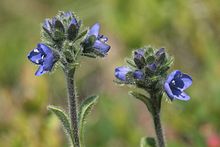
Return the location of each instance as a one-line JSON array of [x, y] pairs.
[[152, 67], [138, 74], [139, 53], [44, 57], [73, 25], [68, 14], [160, 52], [139, 58], [47, 25], [69, 17], [64, 23], [121, 72], [175, 85], [95, 42]]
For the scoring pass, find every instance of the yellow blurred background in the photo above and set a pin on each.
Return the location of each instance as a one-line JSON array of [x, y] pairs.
[[190, 31]]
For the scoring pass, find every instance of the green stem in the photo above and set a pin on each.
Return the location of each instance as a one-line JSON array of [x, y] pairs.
[[72, 103], [156, 102]]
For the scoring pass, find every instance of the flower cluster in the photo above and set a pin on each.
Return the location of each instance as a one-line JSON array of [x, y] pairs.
[[63, 26], [64, 40], [147, 69]]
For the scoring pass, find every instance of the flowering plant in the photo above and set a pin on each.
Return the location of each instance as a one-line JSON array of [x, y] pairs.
[[148, 70], [63, 42]]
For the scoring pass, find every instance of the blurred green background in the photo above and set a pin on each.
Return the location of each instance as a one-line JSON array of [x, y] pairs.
[[190, 31]]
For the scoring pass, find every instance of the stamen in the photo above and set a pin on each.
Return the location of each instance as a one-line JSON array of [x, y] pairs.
[[36, 50], [42, 57]]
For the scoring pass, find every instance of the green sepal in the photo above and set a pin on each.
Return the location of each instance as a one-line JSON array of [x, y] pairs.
[[91, 40], [149, 51], [82, 34], [130, 62], [150, 59], [85, 108], [90, 55], [162, 58], [130, 77], [147, 142], [59, 26], [72, 31], [143, 98], [98, 53], [88, 43], [63, 117], [122, 83], [167, 65]]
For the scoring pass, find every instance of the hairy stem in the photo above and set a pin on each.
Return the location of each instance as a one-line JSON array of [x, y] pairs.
[[72, 104], [156, 102], [158, 130]]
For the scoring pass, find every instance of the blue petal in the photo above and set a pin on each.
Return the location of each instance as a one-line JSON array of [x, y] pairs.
[[94, 30], [139, 53], [168, 91], [40, 71], [152, 67], [178, 83], [187, 80], [101, 47], [47, 24], [48, 62], [45, 48], [68, 14], [178, 94], [74, 22], [172, 75], [46, 66], [120, 72], [138, 74], [53, 21], [35, 56], [38, 54]]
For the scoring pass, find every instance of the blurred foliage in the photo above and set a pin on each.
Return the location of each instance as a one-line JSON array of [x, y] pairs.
[[188, 29]]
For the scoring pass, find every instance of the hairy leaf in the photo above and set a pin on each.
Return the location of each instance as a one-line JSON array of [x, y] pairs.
[[64, 119], [85, 109], [143, 98]]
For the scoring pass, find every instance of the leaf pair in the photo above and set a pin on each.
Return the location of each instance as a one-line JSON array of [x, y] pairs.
[[84, 110]]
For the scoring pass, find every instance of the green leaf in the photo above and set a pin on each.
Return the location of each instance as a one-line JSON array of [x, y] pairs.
[[62, 116], [148, 142], [85, 109], [143, 98]]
